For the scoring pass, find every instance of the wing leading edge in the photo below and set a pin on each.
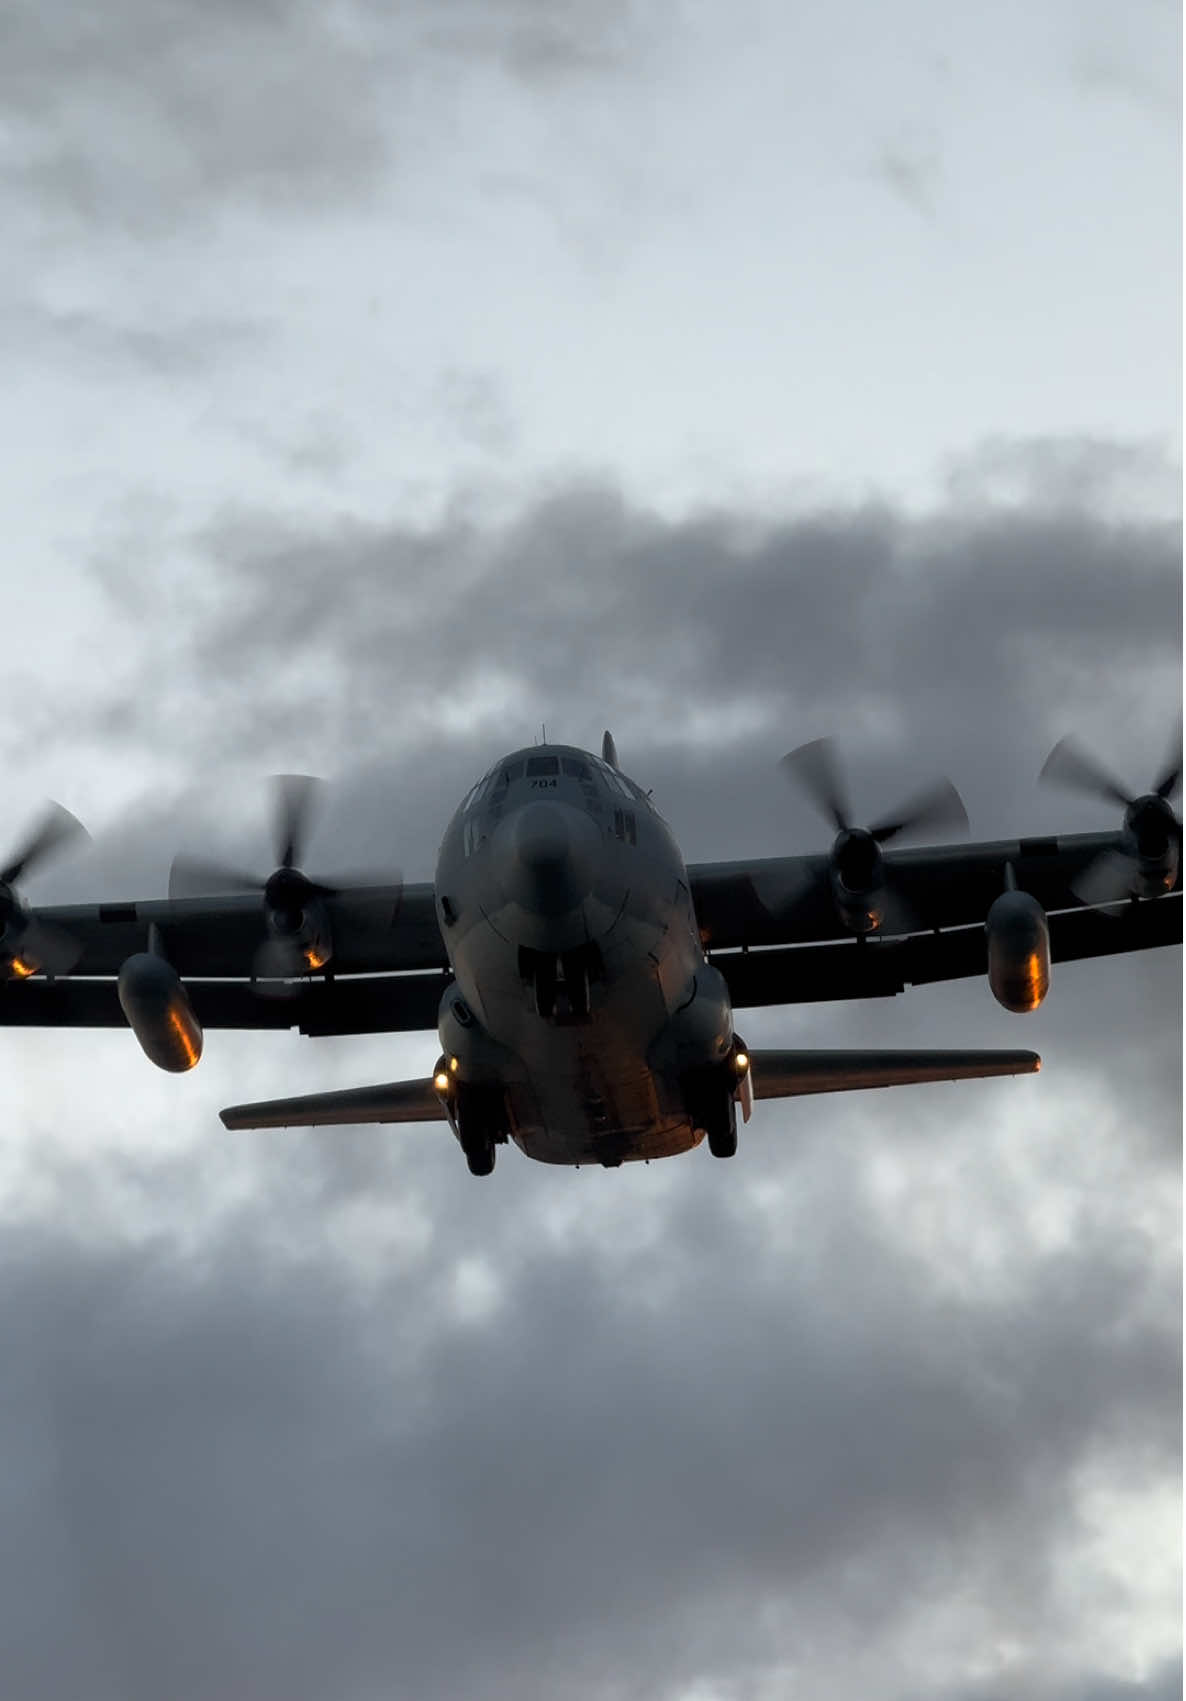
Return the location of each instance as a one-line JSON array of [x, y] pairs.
[[787, 1074], [394, 1101]]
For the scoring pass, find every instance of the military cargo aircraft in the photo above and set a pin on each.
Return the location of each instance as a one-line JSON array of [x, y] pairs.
[[582, 979]]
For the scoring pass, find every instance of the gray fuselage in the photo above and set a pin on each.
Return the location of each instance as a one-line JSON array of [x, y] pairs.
[[583, 1002]]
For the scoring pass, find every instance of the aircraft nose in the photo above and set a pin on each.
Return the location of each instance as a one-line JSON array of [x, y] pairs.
[[547, 857]]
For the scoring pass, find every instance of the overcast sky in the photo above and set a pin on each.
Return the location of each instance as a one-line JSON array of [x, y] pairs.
[[377, 388]]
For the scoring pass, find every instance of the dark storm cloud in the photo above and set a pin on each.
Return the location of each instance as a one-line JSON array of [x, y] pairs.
[[963, 641], [967, 640], [824, 616], [268, 1469], [147, 113]]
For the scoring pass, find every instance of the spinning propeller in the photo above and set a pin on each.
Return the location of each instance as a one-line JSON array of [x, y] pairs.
[[856, 869], [298, 928], [1152, 834], [28, 944]]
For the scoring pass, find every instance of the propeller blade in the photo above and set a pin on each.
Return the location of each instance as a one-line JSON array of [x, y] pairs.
[[1170, 777], [356, 881], [940, 806], [56, 828], [815, 769], [901, 917], [781, 895], [277, 969], [193, 877], [1070, 766], [1107, 880], [50, 948], [296, 797]]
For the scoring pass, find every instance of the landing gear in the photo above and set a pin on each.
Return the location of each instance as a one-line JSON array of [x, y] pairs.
[[481, 1124], [575, 966], [720, 1121], [560, 984], [711, 1105], [479, 1155], [543, 977]]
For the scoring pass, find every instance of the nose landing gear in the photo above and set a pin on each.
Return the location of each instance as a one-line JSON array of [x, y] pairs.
[[560, 984]]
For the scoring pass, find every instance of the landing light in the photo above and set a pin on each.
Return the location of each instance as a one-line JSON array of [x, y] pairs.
[[741, 1062], [441, 1081]]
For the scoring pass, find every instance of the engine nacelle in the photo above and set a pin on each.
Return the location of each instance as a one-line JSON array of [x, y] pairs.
[[1018, 951], [159, 1012], [301, 936], [858, 883], [1153, 840]]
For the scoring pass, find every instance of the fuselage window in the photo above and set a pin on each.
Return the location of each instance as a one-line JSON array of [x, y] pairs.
[[483, 787], [614, 780], [626, 826], [540, 765]]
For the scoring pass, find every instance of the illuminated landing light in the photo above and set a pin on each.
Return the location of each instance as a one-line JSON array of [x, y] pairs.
[[441, 1081], [741, 1062], [454, 1065]]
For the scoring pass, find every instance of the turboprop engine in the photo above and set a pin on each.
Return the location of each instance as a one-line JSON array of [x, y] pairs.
[[1146, 864], [29, 946], [299, 935], [856, 868], [1018, 950], [159, 1012]]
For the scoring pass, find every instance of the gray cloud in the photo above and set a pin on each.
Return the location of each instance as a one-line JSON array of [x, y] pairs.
[[98, 345], [966, 640], [659, 1459], [912, 171], [160, 111]]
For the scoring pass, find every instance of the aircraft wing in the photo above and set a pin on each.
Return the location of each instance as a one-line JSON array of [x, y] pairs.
[[879, 968], [396, 1101], [768, 925], [775, 1074], [787, 1074], [375, 929], [787, 901]]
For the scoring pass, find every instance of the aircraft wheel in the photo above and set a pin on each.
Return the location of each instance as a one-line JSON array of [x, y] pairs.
[[722, 1142], [478, 1127], [718, 1117], [480, 1157]]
